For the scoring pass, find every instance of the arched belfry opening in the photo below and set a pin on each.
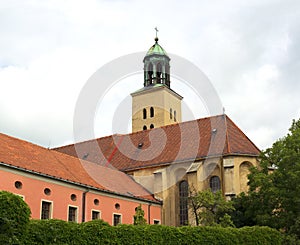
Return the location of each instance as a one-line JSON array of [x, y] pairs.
[[155, 104], [158, 73], [156, 66]]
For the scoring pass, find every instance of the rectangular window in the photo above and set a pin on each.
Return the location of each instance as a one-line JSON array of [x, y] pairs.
[[156, 222], [72, 214], [46, 210], [95, 215], [117, 219]]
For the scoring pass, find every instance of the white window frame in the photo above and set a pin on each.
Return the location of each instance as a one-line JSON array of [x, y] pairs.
[[76, 215], [95, 210], [51, 208], [156, 220], [113, 216]]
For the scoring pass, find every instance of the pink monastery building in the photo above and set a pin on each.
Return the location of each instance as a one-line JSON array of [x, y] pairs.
[[58, 186]]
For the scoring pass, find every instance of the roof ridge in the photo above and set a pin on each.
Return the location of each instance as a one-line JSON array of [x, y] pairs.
[[23, 141], [53, 151], [88, 140]]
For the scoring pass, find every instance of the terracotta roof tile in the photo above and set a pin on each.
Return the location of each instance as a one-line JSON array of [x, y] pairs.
[[211, 136], [27, 156]]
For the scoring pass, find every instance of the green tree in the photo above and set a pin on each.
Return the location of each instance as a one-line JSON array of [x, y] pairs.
[[14, 218], [210, 208], [242, 215], [139, 216], [274, 195]]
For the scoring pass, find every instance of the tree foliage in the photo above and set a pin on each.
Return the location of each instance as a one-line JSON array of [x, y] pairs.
[[139, 216], [14, 217], [274, 195], [210, 208]]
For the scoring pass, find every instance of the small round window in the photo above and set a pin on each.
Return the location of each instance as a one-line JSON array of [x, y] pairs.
[[18, 184], [96, 202], [47, 191], [117, 206], [73, 197]]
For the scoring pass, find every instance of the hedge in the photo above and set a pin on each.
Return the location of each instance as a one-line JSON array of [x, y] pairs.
[[52, 232], [99, 232], [14, 218]]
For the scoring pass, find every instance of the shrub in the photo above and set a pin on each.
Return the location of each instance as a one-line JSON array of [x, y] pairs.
[[14, 218], [139, 216], [53, 232], [97, 232]]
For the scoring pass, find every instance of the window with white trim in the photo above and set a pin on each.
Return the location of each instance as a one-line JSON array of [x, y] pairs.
[[72, 214], [46, 210], [95, 214], [117, 219]]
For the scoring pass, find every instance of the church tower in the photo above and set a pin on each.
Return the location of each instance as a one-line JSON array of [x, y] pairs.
[[156, 104]]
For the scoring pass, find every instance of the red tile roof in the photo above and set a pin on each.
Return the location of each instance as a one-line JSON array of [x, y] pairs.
[[211, 136], [26, 156]]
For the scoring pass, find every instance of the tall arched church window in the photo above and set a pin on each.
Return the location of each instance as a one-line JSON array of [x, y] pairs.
[[171, 113], [215, 184], [183, 202], [144, 113], [151, 112], [175, 116]]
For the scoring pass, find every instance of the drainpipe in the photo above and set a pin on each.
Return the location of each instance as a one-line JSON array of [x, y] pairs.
[[149, 216], [84, 204]]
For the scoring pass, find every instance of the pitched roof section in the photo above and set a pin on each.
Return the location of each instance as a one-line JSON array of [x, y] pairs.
[[187, 141], [27, 156]]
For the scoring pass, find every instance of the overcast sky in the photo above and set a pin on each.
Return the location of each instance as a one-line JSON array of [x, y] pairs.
[[49, 49]]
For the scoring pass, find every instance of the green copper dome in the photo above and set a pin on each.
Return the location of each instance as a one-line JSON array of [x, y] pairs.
[[156, 49], [156, 66]]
